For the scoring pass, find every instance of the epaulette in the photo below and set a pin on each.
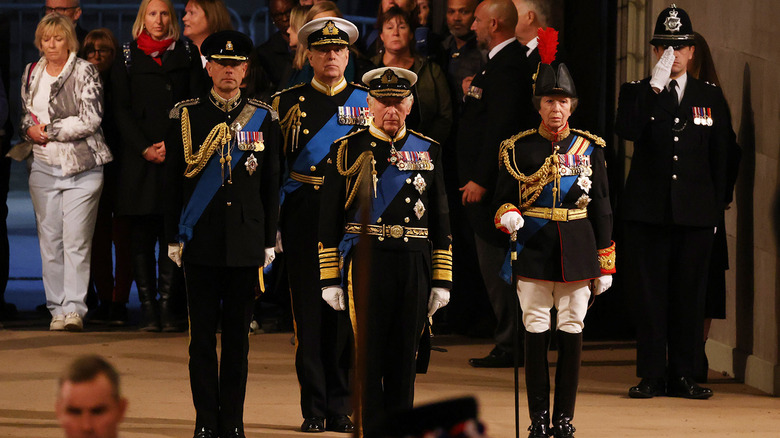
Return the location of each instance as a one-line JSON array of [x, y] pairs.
[[175, 113], [509, 143], [288, 89], [350, 135], [260, 104], [596, 139], [423, 136], [361, 86]]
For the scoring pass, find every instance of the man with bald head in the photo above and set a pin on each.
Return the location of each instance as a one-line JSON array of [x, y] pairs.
[[531, 15], [496, 105], [70, 9]]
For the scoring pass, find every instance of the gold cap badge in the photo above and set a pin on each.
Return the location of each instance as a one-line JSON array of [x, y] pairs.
[[229, 46], [330, 29]]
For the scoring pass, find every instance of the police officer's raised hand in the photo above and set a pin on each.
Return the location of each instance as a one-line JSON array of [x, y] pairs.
[[439, 298], [662, 70], [270, 255], [334, 296], [174, 253], [601, 284], [512, 221]]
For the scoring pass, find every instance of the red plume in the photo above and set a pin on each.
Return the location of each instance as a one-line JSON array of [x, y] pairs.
[[548, 44]]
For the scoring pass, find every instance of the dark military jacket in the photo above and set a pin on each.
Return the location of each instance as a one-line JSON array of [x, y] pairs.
[[565, 250], [421, 203], [679, 168], [240, 221]]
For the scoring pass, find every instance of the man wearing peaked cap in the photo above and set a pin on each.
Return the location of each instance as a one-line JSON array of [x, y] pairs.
[[223, 198], [674, 197], [408, 235], [312, 116]]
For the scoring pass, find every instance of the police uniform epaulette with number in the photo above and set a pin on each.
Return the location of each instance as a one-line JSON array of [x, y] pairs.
[[423, 136], [361, 86], [260, 104], [175, 112], [596, 139]]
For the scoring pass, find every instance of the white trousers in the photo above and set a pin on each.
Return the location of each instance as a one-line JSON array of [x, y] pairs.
[[538, 297], [65, 212]]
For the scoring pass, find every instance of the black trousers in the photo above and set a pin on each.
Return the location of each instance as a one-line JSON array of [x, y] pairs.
[[146, 232], [217, 294], [503, 297], [322, 335], [398, 290], [666, 268]]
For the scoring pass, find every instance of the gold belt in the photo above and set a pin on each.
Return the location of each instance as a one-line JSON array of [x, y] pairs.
[[394, 231], [307, 179], [557, 214]]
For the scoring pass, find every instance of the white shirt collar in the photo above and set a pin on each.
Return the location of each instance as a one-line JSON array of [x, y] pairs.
[[534, 43], [499, 47], [681, 82]]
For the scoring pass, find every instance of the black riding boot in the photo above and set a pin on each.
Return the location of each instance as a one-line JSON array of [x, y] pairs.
[[567, 377], [147, 294], [537, 382]]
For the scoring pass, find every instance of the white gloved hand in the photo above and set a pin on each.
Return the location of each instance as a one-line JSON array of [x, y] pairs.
[[279, 248], [174, 253], [439, 298], [662, 70], [512, 221], [601, 284], [334, 296], [270, 255]]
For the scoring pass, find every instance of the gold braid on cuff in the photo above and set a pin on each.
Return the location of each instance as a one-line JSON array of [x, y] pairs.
[[607, 260]]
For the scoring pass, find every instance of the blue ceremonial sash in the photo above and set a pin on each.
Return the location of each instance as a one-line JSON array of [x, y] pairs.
[[533, 224], [318, 147], [387, 189], [210, 181]]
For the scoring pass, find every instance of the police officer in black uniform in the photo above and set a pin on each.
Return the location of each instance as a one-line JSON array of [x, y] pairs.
[[553, 193], [681, 129], [409, 236], [223, 197], [313, 115]]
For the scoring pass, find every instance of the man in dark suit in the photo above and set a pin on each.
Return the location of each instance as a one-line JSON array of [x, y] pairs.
[[681, 129], [497, 104], [274, 54], [222, 188], [70, 9], [531, 15]]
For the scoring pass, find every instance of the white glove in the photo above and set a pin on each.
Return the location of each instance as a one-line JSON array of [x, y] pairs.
[[439, 298], [270, 255], [174, 253], [601, 284], [512, 221], [662, 70], [334, 296], [278, 246]]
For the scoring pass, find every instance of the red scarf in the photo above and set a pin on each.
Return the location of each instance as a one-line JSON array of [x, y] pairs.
[[152, 47]]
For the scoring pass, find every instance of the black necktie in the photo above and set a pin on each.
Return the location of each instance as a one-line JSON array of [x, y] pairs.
[[673, 92]]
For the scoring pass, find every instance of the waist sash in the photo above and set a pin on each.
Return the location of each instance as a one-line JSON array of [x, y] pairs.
[[211, 178], [533, 224], [318, 147]]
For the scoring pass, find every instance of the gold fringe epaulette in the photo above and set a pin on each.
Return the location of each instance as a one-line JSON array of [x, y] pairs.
[[360, 86], [510, 143], [596, 139], [349, 135], [423, 136], [175, 112]]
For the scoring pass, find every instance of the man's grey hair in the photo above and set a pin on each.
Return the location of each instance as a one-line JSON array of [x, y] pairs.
[[542, 8]]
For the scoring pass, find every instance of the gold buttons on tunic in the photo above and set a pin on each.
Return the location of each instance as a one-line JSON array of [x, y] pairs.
[[379, 220], [301, 98], [674, 177], [406, 219], [313, 168], [408, 180], [372, 144], [406, 239], [675, 158], [408, 200], [305, 132], [303, 114], [229, 203]]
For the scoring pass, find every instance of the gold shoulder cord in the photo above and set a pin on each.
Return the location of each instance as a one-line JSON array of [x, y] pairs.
[[356, 168], [530, 186], [291, 126], [218, 137]]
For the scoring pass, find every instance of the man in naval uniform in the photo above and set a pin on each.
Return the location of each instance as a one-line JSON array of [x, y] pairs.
[[223, 197], [313, 115], [408, 235], [553, 195], [681, 129]]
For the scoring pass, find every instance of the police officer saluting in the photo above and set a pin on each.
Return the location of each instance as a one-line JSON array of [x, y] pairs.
[[409, 236], [681, 129], [313, 115], [223, 196]]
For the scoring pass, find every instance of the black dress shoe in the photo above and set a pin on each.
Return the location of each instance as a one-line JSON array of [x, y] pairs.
[[648, 388], [340, 423], [313, 424], [204, 432], [233, 433], [686, 387], [497, 358]]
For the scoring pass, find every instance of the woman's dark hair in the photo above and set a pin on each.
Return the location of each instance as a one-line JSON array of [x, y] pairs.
[[410, 18], [95, 35]]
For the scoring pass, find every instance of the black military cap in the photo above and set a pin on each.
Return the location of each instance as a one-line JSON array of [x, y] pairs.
[[390, 82], [328, 30], [227, 45], [673, 28], [548, 83]]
